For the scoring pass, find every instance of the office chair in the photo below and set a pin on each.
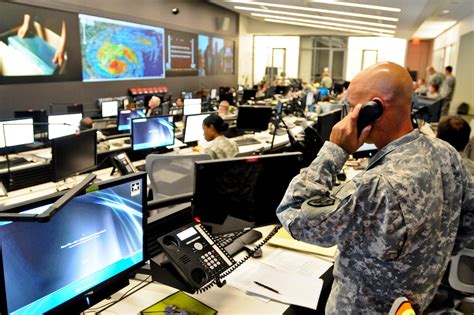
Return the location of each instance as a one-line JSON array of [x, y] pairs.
[[172, 175]]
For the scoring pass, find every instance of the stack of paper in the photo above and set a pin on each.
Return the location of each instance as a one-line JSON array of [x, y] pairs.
[[281, 276]]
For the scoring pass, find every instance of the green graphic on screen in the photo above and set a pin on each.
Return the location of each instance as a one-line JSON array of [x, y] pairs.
[[114, 49]]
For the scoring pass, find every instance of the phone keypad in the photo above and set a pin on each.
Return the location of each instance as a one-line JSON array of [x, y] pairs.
[[211, 262]]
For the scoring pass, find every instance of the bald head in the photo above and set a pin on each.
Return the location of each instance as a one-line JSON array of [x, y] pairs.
[[392, 84]]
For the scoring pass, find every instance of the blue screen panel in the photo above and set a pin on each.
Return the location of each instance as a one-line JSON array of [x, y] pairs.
[[152, 132], [125, 117]]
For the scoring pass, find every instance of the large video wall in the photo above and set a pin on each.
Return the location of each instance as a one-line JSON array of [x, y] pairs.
[[44, 45]]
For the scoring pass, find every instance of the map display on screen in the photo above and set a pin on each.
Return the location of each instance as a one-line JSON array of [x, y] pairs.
[[113, 49]]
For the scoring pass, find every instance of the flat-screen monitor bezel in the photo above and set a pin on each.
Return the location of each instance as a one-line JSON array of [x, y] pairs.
[[27, 123], [154, 147], [53, 125], [81, 301], [56, 156], [186, 129], [115, 112], [121, 127]]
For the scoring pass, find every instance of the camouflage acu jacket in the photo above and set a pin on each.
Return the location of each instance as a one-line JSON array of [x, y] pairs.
[[395, 230], [222, 148]]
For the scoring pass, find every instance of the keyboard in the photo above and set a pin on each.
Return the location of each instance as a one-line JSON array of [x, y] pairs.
[[247, 141], [14, 162], [234, 242]]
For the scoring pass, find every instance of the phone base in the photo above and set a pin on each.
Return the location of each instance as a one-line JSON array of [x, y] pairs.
[[163, 271]]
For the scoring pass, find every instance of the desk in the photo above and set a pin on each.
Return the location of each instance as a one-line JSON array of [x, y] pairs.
[[226, 300]]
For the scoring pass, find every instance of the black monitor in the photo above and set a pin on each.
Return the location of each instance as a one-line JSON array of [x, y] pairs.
[[65, 108], [84, 254], [254, 118], [428, 109], [249, 95], [231, 194], [39, 116], [124, 118], [152, 132], [326, 122], [193, 127], [282, 89], [74, 154]]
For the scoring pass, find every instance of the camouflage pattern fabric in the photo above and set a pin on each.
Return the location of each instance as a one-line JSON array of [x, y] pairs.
[[222, 148], [397, 228]]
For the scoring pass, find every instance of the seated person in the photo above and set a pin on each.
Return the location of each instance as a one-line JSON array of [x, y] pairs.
[[456, 131], [420, 87], [224, 108], [221, 147], [86, 123], [324, 106], [433, 92], [154, 108], [177, 111]]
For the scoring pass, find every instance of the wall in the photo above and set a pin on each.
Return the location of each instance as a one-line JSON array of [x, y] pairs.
[[389, 49], [245, 53], [195, 16], [419, 56], [263, 47]]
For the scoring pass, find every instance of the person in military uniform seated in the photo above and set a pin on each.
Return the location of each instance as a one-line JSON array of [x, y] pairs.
[[220, 146], [398, 222]]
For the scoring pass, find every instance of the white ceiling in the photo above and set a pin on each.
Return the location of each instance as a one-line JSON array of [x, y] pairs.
[[304, 14]]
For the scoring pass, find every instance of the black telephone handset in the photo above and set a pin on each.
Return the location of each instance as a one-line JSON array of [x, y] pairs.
[[123, 164], [195, 255], [369, 113]]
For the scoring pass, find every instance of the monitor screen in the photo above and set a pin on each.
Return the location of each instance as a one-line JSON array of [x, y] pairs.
[[125, 117], [187, 94], [38, 45], [16, 132], [254, 118], [63, 125], [326, 122], [309, 99], [89, 246], [39, 116], [249, 95], [74, 154], [181, 53], [152, 132], [230, 194], [118, 50], [193, 127], [109, 108], [192, 106], [213, 94]]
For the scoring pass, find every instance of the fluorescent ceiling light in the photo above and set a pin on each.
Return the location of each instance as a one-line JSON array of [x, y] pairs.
[[327, 27], [357, 5], [431, 29], [322, 23], [327, 18], [285, 6]]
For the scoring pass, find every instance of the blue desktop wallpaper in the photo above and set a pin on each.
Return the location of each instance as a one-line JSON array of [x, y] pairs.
[[154, 133], [125, 120], [94, 237]]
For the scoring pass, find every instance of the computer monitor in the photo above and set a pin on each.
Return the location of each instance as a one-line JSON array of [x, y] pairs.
[[193, 127], [248, 95], [39, 116], [65, 108], [84, 254], [309, 100], [213, 94], [124, 118], [63, 125], [254, 118], [231, 194], [282, 89], [109, 108], [192, 106], [187, 94], [16, 132], [428, 109], [326, 122], [74, 154], [152, 132]]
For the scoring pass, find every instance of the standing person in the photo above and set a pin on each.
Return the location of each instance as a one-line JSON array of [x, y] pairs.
[[449, 83], [220, 147], [397, 223], [326, 81], [435, 78]]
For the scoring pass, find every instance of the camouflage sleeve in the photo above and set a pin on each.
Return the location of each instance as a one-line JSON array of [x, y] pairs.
[[211, 153], [465, 233]]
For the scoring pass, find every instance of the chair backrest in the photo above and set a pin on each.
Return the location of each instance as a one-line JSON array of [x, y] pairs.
[[461, 273], [172, 175]]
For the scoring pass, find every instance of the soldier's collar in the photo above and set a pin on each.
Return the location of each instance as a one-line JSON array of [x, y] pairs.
[[392, 146]]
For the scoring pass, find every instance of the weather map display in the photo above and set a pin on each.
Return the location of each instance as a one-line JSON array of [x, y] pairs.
[[114, 50]]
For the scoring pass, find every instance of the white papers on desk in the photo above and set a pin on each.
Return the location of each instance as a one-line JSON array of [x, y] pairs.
[[293, 288], [300, 263]]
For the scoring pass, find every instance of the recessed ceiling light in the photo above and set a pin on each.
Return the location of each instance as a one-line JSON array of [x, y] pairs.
[[285, 6], [445, 11], [346, 26], [357, 5], [326, 27], [327, 18]]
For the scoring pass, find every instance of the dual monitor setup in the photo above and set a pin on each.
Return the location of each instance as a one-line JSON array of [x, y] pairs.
[[92, 245]]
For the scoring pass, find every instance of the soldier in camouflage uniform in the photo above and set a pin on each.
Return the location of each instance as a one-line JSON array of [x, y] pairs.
[[397, 223]]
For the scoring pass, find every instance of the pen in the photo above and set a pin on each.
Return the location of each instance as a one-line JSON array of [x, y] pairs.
[[266, 287]]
